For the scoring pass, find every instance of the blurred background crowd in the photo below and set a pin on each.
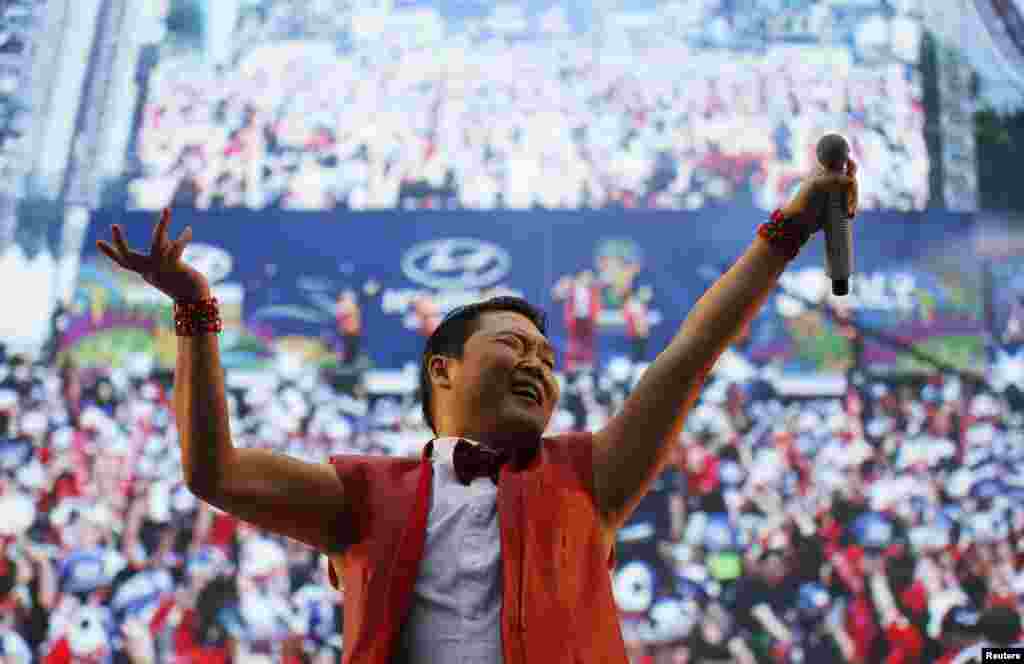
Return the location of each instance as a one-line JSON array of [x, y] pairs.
[[869, 527], [444, 111]]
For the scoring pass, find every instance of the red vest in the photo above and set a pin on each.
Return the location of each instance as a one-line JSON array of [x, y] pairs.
[[557, 602]]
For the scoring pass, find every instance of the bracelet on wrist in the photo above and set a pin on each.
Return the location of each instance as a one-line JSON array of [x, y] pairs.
[[784, 236], [192, 318]]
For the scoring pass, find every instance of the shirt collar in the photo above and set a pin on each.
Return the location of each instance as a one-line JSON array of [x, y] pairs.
[[440, 450]]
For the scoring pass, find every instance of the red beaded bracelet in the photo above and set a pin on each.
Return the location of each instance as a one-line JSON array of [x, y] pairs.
[[785, 237], [195, 318]]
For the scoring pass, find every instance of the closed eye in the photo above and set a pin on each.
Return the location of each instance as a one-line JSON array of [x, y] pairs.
[[510, 341], [518, 343]]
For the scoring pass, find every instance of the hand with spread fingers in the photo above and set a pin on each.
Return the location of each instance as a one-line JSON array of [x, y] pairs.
[[163, 267], [808, 205]]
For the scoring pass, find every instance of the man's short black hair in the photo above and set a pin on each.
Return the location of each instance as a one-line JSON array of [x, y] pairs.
[[449, 339]]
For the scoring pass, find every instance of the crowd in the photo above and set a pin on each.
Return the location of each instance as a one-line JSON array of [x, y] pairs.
[[676, 114], [868, 528], [859, 529]]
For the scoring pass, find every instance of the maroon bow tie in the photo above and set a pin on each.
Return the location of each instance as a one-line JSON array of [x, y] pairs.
[[473, 461]]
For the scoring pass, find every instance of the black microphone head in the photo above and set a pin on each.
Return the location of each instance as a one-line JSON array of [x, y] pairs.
[[840, 286], [833, 152]]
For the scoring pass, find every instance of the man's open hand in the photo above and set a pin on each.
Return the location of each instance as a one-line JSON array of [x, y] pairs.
[[163, 267]]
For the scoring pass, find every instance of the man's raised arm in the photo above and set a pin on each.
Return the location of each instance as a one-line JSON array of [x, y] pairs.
[[287, 496], [632, 449]]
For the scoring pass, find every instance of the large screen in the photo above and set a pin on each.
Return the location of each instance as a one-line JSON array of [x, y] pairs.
[[535, 105]]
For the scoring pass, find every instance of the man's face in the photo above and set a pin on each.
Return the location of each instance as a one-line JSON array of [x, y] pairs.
[[505, 361]]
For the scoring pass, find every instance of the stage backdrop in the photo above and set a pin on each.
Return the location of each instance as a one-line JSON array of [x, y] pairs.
[[279, 276]]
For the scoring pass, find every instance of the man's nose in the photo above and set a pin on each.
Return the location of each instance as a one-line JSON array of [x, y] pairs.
[[533, 366]]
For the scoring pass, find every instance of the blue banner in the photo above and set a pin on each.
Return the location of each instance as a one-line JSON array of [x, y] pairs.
[[280, 276]]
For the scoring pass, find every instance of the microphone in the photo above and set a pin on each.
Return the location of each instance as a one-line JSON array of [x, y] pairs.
[[833, 152]]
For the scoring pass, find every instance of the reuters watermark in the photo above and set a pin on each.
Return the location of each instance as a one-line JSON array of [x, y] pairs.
[[1002, 654]]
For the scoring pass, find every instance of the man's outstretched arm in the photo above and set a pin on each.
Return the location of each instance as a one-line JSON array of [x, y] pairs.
[[632, 449], [272, 491]]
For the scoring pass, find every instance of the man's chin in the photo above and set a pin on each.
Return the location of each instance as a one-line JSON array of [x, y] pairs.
[[519, 424]]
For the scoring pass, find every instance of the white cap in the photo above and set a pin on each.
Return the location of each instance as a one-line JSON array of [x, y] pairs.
[[31, 476], [182, 500], [8, 399], [338, 427], [884, 494], [62, 437], [809, 421], [695, 525], [294, 400], [984, 405], [259, 397], [980, 434], [15, 648], [323, 395], [33, 423], [951, 389], [619, 369], [960, 483], [858, 452], [88, 633], [261, 556], [634, 587], [673, 619], [912, 452], [160, 502], [98, 514], [878, 426], [837, 422], [118, 444], [19, 512], [266, 616], [150, 391], [830, 478], [698, 573], [93, 418], [1018, 584], [142, 410]]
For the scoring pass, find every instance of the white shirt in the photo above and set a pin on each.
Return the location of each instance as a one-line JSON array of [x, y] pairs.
[[455, 614]]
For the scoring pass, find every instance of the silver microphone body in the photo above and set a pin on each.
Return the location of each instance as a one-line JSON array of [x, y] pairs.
[[838, 245], [833, 152]]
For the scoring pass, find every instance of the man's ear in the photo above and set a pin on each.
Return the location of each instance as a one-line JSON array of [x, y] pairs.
[[439, 369]]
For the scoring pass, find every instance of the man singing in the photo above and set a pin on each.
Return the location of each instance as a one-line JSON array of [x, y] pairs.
[[495, 544]]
